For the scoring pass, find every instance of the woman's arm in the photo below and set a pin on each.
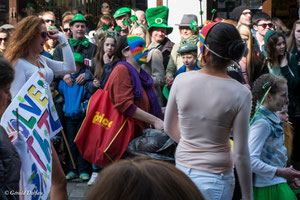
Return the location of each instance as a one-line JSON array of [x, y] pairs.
[[68, 65], [171, 68], [259, 132], [157, 67], [241, 152], [143, 116], [171, 122]]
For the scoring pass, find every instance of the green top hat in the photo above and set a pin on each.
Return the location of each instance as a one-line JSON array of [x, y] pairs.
[[78, 57], [158, 17], [122, 11], [78, 18]]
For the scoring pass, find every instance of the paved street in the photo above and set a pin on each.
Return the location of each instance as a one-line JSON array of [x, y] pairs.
[[77, 189]]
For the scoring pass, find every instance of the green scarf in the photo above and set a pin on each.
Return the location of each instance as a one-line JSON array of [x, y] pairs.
[[193, 39], [73, 42]]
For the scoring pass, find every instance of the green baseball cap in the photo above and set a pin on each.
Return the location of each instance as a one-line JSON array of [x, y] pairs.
[[158, 17], [78, 57], [78, 18], [122, 11], [186, 48]]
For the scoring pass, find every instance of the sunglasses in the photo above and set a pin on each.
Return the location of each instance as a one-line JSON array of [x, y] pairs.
[[67, 29], [43, 34], [104, 6], [49, 20], [3, 39], [270, 25]]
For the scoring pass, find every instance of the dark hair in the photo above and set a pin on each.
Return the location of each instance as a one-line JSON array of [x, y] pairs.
[[262, 84], [121, 45], [6, 73], [271, 49], [105, 18], [143, 178], [260, 16], [225, 40]]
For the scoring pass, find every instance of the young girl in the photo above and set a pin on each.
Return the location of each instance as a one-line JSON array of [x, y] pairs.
[[103, 59], [99, 75], [266, 141], [282, 63]]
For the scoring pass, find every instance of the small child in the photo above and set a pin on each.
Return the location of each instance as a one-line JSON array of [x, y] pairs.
[[188, 53], [74, 111], [266, 141]]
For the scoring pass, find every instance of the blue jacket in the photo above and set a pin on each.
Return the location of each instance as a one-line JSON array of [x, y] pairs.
[[75, 97], [183, 69], [267, 150]]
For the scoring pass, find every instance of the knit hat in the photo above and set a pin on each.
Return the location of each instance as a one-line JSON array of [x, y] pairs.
[[78, 18], [78, 57], [188, 20], [266, 38], [237, 12], [158, 17], [137, 46], [203, 33], [122, 11], [187, 48]]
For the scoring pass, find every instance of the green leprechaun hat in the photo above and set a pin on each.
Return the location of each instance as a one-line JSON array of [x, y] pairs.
[[78, 18], [158, 17]]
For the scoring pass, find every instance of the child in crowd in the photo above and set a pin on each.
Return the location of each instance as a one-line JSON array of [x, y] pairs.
[[266, 141], [75, 97], [188, 53], [103, 67]]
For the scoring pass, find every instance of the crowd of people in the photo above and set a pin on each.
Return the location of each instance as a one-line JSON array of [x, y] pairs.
[[203, 91]]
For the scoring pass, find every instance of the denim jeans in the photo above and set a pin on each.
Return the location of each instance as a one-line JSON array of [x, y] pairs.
[[212, 186], [72, 127]]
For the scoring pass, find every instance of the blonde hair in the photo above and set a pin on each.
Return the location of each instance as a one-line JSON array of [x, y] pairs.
[[291, 43], [25, 32], [245, 30], [145, 31]]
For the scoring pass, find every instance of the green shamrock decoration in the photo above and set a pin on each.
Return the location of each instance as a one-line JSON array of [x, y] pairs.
[[213, 11], [194, 25], [201, 12], [105, 27], [125, 22], [133, 18], [118, 29]]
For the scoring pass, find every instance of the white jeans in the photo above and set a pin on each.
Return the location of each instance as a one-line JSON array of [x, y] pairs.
[[212, 186]]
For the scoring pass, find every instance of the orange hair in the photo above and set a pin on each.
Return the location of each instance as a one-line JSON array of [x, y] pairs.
[[25, 32]]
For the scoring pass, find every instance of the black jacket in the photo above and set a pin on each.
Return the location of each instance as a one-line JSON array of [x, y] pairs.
[[10, 166]]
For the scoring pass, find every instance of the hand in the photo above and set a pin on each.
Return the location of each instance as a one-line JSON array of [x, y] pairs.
[[79, 80], [53, 34], [283, 61], [96, 83], [288, 173], [68, 80], [106, 58], [159, 124], [295, 184], [169, 81]]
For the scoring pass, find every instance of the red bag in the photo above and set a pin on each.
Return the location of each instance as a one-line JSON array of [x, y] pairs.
[[105, 132]]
